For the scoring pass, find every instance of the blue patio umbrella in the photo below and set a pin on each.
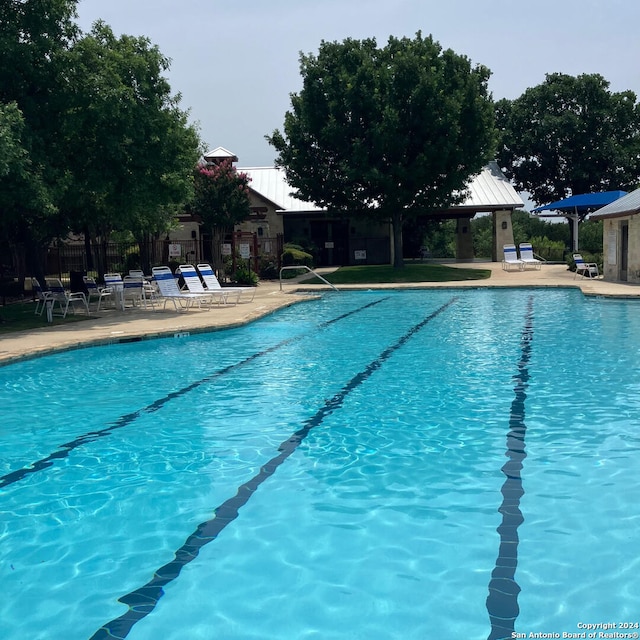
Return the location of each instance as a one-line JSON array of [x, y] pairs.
[[576, 207]]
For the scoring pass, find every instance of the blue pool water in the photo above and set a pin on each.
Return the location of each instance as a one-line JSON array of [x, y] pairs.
[[379, 465]]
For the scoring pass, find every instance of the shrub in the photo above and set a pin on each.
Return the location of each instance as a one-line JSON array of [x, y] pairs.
[[245, 276], [294, 254], [552, 250], [268, 268]]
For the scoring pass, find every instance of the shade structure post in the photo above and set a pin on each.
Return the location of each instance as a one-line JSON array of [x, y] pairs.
[[575, 219]]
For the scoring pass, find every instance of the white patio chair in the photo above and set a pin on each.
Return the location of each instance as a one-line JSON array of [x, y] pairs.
[[133, 290], [94, 290], [114, 284], [585, 269], [42, 296], [65, 298]]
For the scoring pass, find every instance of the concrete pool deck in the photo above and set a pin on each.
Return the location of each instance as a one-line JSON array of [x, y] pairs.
[[109, 326]]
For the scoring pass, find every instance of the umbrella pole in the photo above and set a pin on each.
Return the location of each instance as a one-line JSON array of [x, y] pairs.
[[574, 220]]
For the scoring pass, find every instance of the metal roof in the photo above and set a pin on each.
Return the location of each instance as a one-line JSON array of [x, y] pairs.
[[488, 191], [626, 206], [271, 183]]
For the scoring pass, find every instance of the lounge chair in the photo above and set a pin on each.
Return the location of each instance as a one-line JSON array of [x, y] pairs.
[[527, 257], [193, 284], [212, 284], [510, 258], [65, 298], [585, 269], [169, 291]]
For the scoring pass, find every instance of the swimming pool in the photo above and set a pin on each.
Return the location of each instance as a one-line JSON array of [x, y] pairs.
[[424, 464]]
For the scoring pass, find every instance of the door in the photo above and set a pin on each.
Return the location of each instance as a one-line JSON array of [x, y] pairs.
[[624, 250], [331, 238]]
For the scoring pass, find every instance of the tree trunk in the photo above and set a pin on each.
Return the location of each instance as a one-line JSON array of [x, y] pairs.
[[34, 260], [88, 249], [396, 225], [144, 246], [19, 259], [217, 235]]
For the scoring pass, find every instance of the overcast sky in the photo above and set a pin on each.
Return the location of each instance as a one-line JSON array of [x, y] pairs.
[[235, 63]]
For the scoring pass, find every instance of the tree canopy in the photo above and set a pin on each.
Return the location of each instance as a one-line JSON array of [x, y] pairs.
[[34, 37], [221, 200], [128, 144], [570, 135], [391, 132], [96, 140]]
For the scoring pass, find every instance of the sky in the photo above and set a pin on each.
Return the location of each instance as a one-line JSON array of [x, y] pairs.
[[235, 64]]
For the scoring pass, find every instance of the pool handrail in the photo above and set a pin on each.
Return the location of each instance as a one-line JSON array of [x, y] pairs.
[[304, 266]]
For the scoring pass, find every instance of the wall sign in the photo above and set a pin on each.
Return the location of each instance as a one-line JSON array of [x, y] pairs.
[[612, 247]]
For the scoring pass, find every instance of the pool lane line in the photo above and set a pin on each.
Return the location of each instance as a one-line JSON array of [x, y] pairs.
[[65, 449], [142, 601], [502, 601]]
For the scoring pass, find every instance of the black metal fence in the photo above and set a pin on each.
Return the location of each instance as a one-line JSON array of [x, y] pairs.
[[64, 259]]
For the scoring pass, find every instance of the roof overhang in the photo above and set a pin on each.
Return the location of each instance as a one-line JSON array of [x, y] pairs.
[[628, 205], [488, 191]]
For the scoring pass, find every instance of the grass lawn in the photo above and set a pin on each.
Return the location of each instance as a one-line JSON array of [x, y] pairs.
[[385, 274], [20, 316]]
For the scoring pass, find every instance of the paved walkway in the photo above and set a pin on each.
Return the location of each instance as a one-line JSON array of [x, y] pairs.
[[115, 326]]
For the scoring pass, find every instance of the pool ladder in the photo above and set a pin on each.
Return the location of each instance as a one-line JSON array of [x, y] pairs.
[[304, 266]]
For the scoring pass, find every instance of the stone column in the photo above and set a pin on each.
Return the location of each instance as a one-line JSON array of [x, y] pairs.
[[502, 232], [464, 240]]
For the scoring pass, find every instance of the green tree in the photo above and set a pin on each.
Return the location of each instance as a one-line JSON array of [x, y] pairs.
[[591, 237], [390, 132], [570, 135], [221, 200], [129, 146], [34, 38]]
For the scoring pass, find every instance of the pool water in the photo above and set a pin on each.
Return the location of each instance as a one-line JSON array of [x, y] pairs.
[[368, 465]]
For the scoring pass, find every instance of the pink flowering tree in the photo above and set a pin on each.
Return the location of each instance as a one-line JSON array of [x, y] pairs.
[[221, 200]]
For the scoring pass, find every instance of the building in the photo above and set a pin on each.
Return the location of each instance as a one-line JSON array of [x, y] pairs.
[[621, 238], [349, 240]]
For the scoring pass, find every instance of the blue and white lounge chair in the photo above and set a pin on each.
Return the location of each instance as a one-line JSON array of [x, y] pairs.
[[241, 294], [194, 285], [169, 291], [510, 258], [585, 269], [527, 257]]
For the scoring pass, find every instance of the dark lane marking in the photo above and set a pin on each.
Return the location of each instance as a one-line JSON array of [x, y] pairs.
[[502, 602], [66, 448], [143, 601]]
